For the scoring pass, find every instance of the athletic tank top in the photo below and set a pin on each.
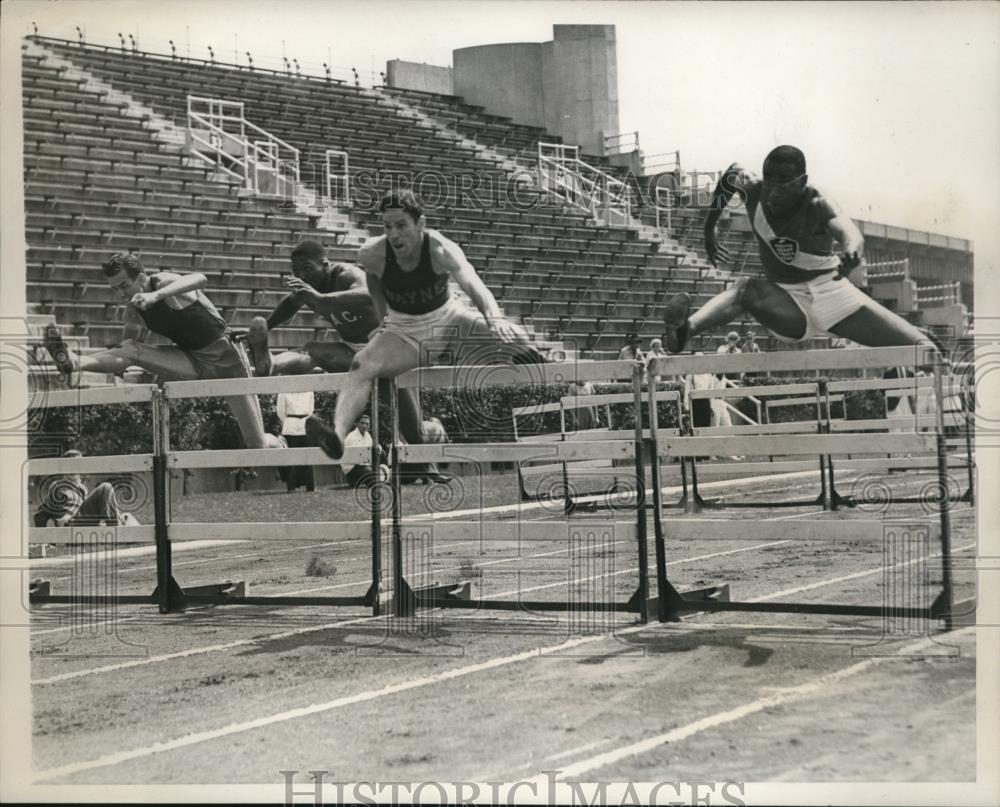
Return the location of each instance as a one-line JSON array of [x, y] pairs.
[[190, 328], [353, 324], [418, 292], [800, 247]]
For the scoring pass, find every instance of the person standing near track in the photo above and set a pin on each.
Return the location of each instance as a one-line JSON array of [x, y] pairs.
[[408, 272], [173, 306], [805, 291], [338, 293], [292, 409]]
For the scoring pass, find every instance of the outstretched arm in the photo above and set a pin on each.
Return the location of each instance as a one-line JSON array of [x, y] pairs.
[[167, 284], [284, 311], [852, 243], [734, 180], [448, 255], [352, 294]]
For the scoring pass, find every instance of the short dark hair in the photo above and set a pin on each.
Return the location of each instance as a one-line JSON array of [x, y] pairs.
[[123, 260], [789, 155], [401, 200], [309, 250]]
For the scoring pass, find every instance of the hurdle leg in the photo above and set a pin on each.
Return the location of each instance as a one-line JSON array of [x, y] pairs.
[[167, 595], [403, 600], [945, 603], [374, 590], [969, 496], [642, 593]]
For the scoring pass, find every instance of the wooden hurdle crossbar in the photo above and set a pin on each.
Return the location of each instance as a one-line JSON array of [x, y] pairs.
[[673, 603]]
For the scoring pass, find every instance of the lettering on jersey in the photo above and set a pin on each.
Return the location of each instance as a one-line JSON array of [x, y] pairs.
[[342, 317], [413, 297], [785, 248]]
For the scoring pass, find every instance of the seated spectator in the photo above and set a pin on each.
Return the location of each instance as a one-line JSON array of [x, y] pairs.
[[749, 344], [66, 501], [631, 350], [731, 346]]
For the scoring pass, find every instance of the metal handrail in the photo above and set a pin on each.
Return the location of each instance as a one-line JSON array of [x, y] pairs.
[[343, 178], [562, 173], [255, 157]]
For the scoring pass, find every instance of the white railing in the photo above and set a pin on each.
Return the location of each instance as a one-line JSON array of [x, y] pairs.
[[220, 134], [667, 162], [624, 143], [336, 166], [943, 293], [562, 174]]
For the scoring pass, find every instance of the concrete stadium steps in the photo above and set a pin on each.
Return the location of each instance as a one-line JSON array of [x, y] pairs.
[[241, 215], [471, 121], [75, 159]]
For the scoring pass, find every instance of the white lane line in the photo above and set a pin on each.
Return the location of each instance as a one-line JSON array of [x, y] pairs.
[[135, 551], [197, 651], [227, 558], [235, 728], [720, 718], [52, 679], [499, 509], [854, 576], [572, 751], [314, 709]]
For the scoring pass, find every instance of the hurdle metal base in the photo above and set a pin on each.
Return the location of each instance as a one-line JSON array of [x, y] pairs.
[[675, 602], [722, 503], [405, 601], [40, 593]]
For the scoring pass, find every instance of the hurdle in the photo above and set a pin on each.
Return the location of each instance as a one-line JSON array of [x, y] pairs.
[[697, 503], [169, 595], [40, 591], [583, 467], [954, 418], [409, 599], [672, 603]]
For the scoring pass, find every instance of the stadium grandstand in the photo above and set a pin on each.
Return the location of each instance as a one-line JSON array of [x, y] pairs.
[[220, 168], [307, 488]]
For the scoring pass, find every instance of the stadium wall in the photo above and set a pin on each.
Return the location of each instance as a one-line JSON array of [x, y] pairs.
[[418, 76], [568, 85]]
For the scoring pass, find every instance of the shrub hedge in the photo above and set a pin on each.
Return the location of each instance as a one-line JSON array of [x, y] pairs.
[[468, 415]]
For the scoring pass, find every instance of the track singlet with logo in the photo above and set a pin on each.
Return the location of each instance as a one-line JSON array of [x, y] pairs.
[[800, 247], [352, 324], [190, 328], [418, 292]]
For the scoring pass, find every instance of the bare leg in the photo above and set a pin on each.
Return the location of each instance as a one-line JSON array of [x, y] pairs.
[[875, 326], [471, 341], [162, 360], [100, 505], [386, 356], [246, 410], [314, 357], [768, 303]]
